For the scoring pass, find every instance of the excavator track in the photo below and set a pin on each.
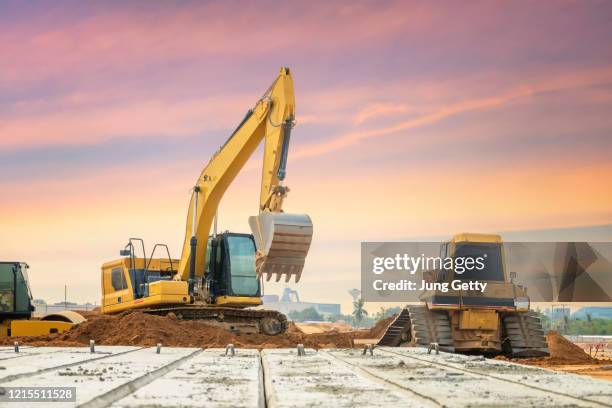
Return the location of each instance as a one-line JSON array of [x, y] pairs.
[[268, 322], [524, 335]]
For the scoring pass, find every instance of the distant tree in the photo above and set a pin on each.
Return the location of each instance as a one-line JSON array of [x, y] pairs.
[[381, 314], [309, 314], [359, 311]]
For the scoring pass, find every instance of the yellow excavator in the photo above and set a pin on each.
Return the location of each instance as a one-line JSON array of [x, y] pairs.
[[219, 276], [16, 308], [496, 320]]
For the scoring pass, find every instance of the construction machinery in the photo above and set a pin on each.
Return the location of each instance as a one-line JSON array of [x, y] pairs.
[[16, 306], [496, 320], [219, 276]]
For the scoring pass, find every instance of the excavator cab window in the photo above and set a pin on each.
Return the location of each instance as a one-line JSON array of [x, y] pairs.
[[118, 279], [241, 249], [234, 267]]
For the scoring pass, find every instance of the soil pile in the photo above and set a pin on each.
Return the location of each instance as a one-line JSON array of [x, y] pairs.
[[379, 329], [141, 329], [566, 352], [562, 352]]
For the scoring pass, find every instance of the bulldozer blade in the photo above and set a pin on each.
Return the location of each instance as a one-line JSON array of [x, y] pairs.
[[282, 241]]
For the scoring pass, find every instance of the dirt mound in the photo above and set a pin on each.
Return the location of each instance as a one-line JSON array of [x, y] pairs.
[[562, 349], [381, 326], [562, 352], [376, 331], [141, 329]]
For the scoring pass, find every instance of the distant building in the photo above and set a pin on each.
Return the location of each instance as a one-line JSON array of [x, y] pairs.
[[596, 312], [41, 307], [557, 312], [290, 302]]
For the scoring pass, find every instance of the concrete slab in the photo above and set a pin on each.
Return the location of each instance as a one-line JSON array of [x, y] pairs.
[[101, 382], [11, 349], [39, 359], [7, 353], [315, 380], [134, 377], [210, 379], [504, 378]]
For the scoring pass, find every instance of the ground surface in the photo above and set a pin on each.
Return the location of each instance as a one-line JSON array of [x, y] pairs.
[[141, 329], [127, 376], [568, 357], [138, 329]]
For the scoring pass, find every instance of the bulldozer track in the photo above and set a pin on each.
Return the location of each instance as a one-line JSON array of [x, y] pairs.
[[420, 327], [393, 334], [430, 327], [226, 315], [523, 335]]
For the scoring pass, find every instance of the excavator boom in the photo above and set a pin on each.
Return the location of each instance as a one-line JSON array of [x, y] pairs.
[[282, 240]]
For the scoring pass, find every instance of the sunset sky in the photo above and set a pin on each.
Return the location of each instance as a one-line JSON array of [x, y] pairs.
[[415, 120]]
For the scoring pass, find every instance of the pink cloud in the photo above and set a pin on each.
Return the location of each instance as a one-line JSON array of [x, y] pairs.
[[559, 82], [126, 41]]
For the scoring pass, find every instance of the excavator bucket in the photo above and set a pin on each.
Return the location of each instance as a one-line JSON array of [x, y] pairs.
[[282, 241]]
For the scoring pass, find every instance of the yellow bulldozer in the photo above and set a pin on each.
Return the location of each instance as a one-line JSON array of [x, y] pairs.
[[16, 308], [218, 277], [496, 320]]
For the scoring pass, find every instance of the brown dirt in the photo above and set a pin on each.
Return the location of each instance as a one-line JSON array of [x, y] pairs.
[[381, 326], [562, 349], [567, 357], [562, 352], [141, 329]]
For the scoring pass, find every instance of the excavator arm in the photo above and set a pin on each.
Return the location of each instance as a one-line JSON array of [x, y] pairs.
[[282, 239]]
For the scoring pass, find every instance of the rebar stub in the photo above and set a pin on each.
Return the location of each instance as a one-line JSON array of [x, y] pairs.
[[368, 348], [300, 350], [433, 346], [229, 350]]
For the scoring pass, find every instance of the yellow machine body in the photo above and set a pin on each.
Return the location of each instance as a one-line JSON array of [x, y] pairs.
[[494, 320], [19, 328], [16, 308], [474, 316], [224, 270], [118, 287]]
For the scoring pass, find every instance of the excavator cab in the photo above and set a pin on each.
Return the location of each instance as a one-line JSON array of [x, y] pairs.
[[230, 275]]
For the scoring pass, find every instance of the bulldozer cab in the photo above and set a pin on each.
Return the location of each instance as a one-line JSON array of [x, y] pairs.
[[15, 294], [493, 268], [230, 271], [500, 293]]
